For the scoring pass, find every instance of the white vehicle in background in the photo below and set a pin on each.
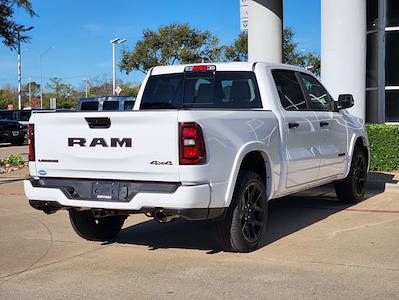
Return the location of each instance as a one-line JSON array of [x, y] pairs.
[[207, 141]]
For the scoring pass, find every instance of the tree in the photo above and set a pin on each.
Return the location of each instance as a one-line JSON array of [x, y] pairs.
[[171, 44], [292, 56], [130, 89], [60, 89], [34, 89], [238, 51], [99, 87], [64, 92], [8, 27], [313, 63], [34, 92], [7, 96]]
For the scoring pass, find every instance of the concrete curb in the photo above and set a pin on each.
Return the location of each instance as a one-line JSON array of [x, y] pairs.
[[392, 185]]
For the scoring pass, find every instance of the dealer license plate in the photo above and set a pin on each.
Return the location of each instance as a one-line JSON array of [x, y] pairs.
[[106, 191]]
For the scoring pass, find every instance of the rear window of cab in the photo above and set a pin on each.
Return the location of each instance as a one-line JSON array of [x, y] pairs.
[[209, 89]]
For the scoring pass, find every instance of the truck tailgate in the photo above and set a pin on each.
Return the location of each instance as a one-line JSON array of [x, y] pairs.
[[138, 146]]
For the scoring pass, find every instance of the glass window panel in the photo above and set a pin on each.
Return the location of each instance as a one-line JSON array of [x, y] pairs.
[[25, 115], [372, 60], [111, 105], [392, 58], [128, 105], [224, 90], [89, 106], [289, 90], [372, 14], [319, 98], [372, 106], [6, 115], [392, 13], [392, 106]]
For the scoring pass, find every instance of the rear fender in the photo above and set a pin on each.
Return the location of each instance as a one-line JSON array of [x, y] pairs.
[[244, 150]]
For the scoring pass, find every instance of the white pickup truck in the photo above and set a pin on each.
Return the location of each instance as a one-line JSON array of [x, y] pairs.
[[207, 141]]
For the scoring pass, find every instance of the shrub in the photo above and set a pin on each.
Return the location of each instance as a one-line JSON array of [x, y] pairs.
[[384, 144], [13, 160]]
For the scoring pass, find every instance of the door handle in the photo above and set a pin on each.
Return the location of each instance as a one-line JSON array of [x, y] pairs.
[[293, 125], [324, 124]]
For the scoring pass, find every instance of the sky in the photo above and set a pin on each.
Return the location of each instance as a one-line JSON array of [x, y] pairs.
[[74, 36]]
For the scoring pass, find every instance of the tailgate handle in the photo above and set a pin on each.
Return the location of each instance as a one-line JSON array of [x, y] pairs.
[[99, 123]]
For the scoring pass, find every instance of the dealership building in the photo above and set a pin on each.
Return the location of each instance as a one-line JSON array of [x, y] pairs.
[[359, 49]]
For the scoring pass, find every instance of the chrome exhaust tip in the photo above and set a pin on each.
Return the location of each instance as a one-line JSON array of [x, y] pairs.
[[161, 217]]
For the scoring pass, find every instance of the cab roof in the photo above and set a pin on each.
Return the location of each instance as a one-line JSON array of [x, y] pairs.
[[230, 66]]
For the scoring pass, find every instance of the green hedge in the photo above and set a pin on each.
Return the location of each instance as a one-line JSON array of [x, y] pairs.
[[384, 144]]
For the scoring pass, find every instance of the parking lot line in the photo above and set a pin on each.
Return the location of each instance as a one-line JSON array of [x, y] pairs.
[[373, 210]]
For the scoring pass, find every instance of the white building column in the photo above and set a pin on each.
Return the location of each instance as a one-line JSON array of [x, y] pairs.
[[265, 31], [343, 53]]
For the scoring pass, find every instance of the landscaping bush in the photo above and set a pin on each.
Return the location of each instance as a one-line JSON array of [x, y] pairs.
[[384, 144], [12, 160]]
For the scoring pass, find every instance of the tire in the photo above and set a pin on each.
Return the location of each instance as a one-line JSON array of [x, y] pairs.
[[92, 229], [352, 188], [244, 225]]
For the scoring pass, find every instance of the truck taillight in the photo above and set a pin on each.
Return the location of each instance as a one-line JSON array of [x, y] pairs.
[[191, 144], [31, 141]]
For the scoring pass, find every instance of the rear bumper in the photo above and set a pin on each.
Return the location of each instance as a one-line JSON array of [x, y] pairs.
[[183, 198]]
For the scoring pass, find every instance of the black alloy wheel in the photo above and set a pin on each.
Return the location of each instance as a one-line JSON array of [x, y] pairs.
[[353, 187], [244, 225], [252, 211]]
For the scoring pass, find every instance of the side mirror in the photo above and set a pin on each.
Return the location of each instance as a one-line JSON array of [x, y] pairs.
[[344, 101]]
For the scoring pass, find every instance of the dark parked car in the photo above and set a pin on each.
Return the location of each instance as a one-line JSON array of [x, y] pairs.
[[12, 132], [23, 116], [7, 114]]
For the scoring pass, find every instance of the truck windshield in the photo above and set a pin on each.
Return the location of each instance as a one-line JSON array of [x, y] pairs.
[[221, 90]]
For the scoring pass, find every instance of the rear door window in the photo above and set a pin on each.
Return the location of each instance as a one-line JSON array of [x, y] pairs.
[[289, 90], [221, 90]]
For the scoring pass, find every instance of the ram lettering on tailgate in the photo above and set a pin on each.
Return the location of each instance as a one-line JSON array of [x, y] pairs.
[[113, 143]]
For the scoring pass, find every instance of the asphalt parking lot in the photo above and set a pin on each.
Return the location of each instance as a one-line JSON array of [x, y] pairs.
[[315, 248]]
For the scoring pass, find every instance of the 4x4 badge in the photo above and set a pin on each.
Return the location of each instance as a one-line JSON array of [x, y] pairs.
[[161, 163]]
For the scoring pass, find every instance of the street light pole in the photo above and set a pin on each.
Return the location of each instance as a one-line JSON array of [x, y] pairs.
[[41, 75], [30, 92], [19, 72], [19, 30], [113, 70], [87, 86], [115, 41]]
